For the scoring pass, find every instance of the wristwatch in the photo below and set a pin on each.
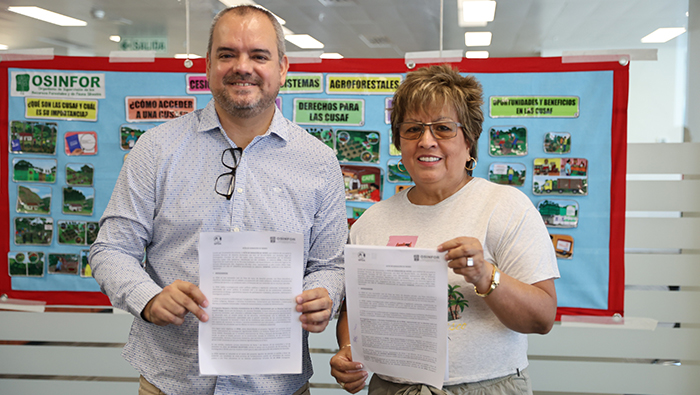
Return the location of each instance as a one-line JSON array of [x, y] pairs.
[[495, 281]]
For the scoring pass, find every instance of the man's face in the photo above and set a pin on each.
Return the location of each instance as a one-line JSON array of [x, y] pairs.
[[243, 68]]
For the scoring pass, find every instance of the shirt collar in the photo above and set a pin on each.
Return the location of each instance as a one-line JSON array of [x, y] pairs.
[[209, 120]]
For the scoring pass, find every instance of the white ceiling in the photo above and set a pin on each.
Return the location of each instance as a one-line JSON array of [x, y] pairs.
[[354, 28]]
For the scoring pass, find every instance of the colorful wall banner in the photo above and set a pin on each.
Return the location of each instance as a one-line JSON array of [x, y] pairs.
[[571, 114]]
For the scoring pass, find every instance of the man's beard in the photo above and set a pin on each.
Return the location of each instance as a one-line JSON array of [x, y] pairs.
[[242, 108]]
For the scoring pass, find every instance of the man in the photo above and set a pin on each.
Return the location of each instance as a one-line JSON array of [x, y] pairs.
[[131, 139], [511, 173], [236, 165]]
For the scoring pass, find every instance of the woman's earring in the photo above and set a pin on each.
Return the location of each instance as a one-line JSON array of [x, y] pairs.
[[401, 166], [473, 166]]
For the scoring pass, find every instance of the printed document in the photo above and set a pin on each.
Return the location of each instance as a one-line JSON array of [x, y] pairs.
[[250, 280], [397, 311]]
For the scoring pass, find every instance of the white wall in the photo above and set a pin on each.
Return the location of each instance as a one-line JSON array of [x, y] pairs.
[[657, 95], [693, 116]]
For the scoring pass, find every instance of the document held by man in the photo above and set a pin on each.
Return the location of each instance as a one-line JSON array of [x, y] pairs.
[[397, 311], [250, 280]]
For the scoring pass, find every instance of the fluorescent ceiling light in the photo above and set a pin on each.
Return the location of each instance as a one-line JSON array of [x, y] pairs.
[[331, 55], [185, 56], [303, 41], [477, 55], [3, 47], [477, 39], [116, 39], [47, 16], [280, 20], [663, 34], [476, 12]]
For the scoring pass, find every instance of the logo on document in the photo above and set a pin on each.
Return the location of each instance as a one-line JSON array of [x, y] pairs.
[[217, 240], [361, 256], [430, 258], [284, 240]]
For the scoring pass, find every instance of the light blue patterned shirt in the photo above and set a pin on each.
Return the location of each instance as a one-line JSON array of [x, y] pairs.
[[287, 181]]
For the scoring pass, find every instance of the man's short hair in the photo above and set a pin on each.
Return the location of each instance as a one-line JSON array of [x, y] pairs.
[[243, 10]]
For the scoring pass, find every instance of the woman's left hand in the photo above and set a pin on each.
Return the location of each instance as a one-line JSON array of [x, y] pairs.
[[465, 256], [524, 308]]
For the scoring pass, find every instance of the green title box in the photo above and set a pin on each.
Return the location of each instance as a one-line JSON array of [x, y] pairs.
[[534, 106], [303, 83], [348, 112]]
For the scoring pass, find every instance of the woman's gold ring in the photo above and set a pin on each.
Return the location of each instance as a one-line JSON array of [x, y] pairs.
[[342, 385]]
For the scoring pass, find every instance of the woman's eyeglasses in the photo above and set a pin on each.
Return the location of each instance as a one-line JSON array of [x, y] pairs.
[[224, 183], [439, 130]]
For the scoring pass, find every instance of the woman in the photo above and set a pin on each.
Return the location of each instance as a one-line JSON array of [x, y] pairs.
[[499, 251]]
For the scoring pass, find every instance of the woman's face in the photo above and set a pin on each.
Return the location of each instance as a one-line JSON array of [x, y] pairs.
[[436, 165]]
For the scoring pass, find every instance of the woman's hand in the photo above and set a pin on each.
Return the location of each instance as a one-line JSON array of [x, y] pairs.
[[350, 375], [465, 256], [524, 308]]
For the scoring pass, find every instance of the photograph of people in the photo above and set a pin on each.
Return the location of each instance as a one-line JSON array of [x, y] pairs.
[[223, 168], [509, 288]]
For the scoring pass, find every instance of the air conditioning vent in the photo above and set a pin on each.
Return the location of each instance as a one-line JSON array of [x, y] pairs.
[[376, 42]]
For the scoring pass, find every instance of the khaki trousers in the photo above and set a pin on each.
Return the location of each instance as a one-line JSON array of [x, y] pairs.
[[146, 388], [514, 384]]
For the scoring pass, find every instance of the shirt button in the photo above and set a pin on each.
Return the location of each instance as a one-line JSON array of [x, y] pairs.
[[236, 229], [240, 190]]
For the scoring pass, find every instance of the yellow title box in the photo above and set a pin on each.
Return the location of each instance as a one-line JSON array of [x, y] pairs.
[[83, 110], [362, 84]]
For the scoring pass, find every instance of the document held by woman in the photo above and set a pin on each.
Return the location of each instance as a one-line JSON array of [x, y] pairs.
[[397, 311]]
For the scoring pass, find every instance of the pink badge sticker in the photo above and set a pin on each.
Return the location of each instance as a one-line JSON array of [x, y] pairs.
[[402, 241]]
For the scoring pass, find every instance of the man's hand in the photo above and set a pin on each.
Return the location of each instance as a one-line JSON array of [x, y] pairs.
[[315, 307], [172, 304]]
